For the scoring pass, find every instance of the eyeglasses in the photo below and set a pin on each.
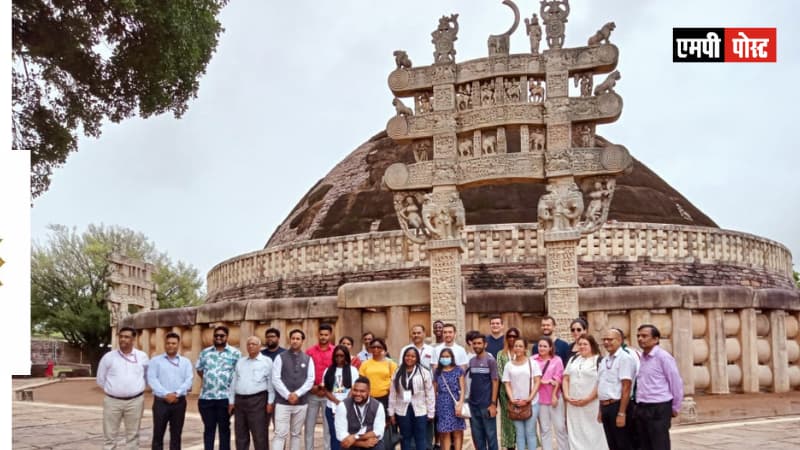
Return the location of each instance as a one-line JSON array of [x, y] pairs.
[[338, 355], [576, 329], [512, 336], [220, 335]]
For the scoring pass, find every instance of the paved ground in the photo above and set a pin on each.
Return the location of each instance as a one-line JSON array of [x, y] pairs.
[[47, 424]]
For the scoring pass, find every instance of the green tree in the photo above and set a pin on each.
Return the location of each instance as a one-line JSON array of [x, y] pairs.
[[68, 287], [76, 63]]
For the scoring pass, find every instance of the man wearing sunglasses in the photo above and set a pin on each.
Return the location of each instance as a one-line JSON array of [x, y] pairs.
[[215, 366]]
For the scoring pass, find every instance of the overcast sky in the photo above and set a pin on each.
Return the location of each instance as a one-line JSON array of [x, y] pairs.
[[295, 86]]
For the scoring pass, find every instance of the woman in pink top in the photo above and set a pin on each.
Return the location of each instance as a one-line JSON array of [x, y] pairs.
[[551, 405]]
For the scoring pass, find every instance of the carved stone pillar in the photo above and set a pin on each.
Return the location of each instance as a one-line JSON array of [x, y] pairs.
[[779, 359], [682, 347], [524, 139], [562, 283], [749, 340], [447, 299], [717, 353]]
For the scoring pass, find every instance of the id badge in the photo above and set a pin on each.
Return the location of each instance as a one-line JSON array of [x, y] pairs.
[[406, 396], [362, 431]]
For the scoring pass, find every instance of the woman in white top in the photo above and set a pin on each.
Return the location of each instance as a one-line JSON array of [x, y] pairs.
[[521, 379], [411, 400], [579, 387], [338, 379]]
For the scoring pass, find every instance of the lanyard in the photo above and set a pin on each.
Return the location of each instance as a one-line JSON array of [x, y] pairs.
[[126, 358], [410, 379], [176, 364]]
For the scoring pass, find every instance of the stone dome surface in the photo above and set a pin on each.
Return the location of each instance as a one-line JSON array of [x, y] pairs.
[[350, 199]]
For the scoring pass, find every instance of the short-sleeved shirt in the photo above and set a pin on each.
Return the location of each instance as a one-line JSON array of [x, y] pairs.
[[425, 355], [459, 354], [217, 368], [494, 345], [613, 369], [482, 371], [520, 378], [379, 374]]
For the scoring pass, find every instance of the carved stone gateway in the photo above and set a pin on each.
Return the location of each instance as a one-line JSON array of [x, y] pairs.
[[130, 286], [481, 106]]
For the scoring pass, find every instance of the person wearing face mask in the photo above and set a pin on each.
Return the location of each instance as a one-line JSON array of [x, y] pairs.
[[449, 387]]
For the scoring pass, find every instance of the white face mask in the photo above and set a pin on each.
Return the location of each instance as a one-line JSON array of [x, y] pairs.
[[445, 361]]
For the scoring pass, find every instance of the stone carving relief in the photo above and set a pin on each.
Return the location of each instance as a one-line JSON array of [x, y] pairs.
[[561, 207], [465, 147], [401, 109], [401, 59], [423, 103], [444, 172], [443, 97], [561, 264], [607, 86], [407, 205], [683, 213], [554, 16], [602, 34], [583, 135], [534, 31], [499, 43], [487, 93], [443, 74], [536, 91], [444, 146], [443, 215], [512, 90], [558, 84], [489, 144], [444, 37], [599, 203], [536, 139], [585, 80], [464, 97], [422, 150], [501, 166]]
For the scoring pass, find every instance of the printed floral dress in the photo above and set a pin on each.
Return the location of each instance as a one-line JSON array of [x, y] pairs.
[[447, 420]]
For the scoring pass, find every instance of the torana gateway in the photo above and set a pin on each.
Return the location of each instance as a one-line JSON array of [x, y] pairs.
[[490, 192]]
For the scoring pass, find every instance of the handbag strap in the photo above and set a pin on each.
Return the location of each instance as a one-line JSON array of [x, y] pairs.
[[448, 389]]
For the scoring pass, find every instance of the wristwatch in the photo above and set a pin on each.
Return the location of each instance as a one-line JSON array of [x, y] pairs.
[[621, 414]]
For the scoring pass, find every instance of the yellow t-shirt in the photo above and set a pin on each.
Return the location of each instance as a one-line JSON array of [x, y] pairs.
[[379, 374]]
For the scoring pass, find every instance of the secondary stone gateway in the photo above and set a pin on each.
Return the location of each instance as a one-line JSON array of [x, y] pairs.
[[479, 107]]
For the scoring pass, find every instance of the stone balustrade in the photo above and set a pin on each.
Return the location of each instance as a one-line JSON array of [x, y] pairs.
[[508, 243]]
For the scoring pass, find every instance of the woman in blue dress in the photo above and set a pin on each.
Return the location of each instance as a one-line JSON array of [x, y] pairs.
[[449, 386]]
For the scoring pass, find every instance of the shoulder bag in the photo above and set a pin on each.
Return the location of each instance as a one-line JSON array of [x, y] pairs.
[[465, 412], [523, 412]]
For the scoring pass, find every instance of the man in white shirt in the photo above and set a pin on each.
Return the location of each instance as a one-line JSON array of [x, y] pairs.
[[251, 396], [426, 351], [121, 374], [360, 419], [449, 338], [614, 382]]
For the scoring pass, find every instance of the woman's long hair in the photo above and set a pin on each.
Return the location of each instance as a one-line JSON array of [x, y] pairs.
[[330, 375], [401, 376]]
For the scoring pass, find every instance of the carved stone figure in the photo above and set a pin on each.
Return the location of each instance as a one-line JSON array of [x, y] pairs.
[[561, 207], [401, 109], [534, 31], [602, 34], [536, 91], [424, 103], [464, 97], [587, 137], [401, 59], [421, 150], [599, 203], [499, 43], [536, 140], [608, 84], [445, 219], [487, 93], [512, 91], [554, 16], [444, 38], [586, 80], [407, 207], [465, 148], [489, 145]]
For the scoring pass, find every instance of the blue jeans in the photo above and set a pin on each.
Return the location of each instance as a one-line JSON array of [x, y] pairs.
[[412, 429], [526, 430], [332, 426], [484, 428], [215, 414]]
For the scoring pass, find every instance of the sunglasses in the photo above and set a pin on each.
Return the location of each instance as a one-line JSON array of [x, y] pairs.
[[576, 329], [220, 335], [512, 336]]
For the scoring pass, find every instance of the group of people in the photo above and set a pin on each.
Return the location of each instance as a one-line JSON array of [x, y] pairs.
[[423, 399]]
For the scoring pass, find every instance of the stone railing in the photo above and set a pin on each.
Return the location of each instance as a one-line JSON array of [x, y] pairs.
[[487, 244]]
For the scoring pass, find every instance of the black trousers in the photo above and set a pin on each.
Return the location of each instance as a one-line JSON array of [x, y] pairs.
[[616, 437], [171, 414], [215, 415], [652, 425], [251, 420]]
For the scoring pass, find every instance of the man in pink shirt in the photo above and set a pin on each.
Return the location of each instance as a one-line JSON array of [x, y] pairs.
[[322, 355], [659, 391]]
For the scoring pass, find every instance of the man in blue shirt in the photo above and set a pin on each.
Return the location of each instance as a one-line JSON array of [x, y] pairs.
[[484, 384], [170, 378], [495, 341]]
